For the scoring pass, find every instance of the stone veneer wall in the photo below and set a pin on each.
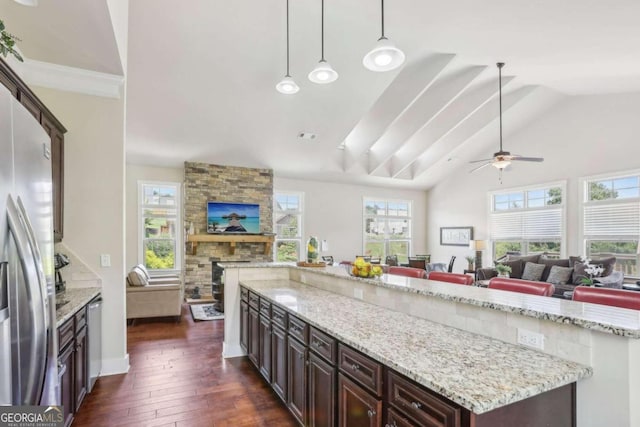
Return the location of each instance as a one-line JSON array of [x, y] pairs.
[[204, 182]]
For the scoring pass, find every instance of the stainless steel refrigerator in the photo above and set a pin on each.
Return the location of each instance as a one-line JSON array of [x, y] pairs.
[[28, 343]]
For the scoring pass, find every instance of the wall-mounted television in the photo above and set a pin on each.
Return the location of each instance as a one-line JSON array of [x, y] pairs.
[[224, 217]]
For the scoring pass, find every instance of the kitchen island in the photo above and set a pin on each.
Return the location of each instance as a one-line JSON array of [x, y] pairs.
[[599, 337]]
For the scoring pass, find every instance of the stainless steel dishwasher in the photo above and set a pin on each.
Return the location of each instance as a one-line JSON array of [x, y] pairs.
[[95, 340]]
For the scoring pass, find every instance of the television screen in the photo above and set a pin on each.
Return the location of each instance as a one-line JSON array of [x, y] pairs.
[[223, 217]]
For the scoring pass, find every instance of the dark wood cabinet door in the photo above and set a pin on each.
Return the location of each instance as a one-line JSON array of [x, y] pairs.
[[297, 379], [81, 366], [244, 325], [395, 419], [265, 348], [66, 368], [356, 407], [254, 336], [279, 361], [57, 175], [322, 392]]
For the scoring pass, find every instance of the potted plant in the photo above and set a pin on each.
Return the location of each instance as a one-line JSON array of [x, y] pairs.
[[503, 270], [7, 43], [471, 260]]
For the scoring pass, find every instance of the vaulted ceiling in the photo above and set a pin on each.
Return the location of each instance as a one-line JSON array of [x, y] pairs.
[[201, 80]]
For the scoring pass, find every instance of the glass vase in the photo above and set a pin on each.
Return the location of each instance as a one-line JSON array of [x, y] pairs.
[[312, 250]]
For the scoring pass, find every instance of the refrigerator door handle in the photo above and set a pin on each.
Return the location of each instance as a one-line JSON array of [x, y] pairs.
[[35, 364]]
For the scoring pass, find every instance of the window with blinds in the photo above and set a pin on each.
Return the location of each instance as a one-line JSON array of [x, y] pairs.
[[611, 219], [528, 220]]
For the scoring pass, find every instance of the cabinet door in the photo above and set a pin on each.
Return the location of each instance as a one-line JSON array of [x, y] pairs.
[[244, 325], [356, 407], [66, 368], [394, 419], [254, 336], [322, 392], [81, 367], [279, 361], [297, 379], [265, 348], [57, 174]]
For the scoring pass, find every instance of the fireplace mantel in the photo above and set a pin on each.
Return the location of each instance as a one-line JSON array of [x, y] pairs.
[[232, 240]]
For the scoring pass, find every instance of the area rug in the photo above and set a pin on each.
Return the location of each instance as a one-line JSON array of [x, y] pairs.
[[205, 312]]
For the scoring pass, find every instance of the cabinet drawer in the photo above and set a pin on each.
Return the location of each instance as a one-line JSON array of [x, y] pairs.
[[254, 300], [65, 334], [424, 407], [323, 344], [265, 307], [395, 419], [361, 368], [298, 329], [244, 294], [81, 318], [279, 316]]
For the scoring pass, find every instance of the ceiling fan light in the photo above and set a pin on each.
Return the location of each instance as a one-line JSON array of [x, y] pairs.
[[32, 3], [287, 86], [385, 56], [501, 164], [323, 73]]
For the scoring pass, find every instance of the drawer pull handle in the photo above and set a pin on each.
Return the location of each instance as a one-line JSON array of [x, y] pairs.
[[416, 405], [371, 413], [355, 367], [391, 425], [300, 356], [318, 344], [296, 328]]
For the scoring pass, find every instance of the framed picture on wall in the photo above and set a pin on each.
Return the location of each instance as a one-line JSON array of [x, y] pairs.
[[456, 236]]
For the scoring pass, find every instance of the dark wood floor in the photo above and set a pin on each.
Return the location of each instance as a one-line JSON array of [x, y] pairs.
[[179, 378]]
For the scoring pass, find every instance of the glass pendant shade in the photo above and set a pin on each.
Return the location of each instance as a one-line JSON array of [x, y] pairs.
[[501, 164], [32, 3], [323, 73], [287, 86], [385, 56]]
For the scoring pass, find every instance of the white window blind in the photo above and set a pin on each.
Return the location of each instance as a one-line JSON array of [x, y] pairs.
[[612, 220], [544, 224]]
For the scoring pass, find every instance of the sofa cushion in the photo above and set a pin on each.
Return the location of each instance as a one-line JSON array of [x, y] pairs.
[[579, 268], [525, 258], [550, 262], [516, 267], [559, 275], [532, 271], [136, 277]]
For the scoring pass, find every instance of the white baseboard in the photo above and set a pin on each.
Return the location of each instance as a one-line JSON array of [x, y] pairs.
[[229, 351], [115, 366]]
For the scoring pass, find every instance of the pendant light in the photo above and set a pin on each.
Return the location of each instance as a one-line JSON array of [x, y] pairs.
[[287, 86], [323, 73], [385, 56]]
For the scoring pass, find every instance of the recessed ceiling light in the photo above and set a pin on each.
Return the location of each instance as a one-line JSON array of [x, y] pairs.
[[308, 136]]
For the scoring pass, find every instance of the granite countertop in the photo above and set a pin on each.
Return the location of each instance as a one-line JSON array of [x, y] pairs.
[[476, 372], [78, 298], [603, 318]]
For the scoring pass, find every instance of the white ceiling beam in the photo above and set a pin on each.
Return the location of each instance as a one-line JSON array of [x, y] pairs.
[[412, 80], [427, 106], [479, 120], [453, 116]]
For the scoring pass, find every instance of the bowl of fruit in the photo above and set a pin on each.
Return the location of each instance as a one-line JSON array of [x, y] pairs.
[[362, 268]]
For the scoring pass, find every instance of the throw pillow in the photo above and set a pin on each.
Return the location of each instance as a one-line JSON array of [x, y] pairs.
[[579, 268], [136, 278], [525, 258], [559, 275], [144, 270], [549, 262], [532, 271], [516, 268]]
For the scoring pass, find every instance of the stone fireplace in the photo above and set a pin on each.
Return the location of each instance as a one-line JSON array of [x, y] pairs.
[[205, 182]]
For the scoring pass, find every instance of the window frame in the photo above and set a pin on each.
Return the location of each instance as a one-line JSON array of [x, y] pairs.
[[179, 234], [524, 243], [300, 213], [386, 241], [585, 202]]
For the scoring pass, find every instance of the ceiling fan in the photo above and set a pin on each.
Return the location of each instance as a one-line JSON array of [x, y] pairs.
[[502, 159]]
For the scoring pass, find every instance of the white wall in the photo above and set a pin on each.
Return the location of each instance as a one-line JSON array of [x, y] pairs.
[[94, 202], [137, 173], [581, 136], [334, 212]]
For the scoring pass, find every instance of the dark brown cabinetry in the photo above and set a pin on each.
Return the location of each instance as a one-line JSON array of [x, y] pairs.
[[244, 325], [297, 381], [356, 406], [254, 336], [322, 386], [73, 363], [54, 129], [264, 353], [279, 359]]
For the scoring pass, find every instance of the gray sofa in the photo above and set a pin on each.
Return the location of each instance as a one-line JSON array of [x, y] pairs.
[[543, 266]]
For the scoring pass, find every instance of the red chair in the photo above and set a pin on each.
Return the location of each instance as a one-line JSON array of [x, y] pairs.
[[523, 286], [407, 271], [346, 262], [460, 279], [607, 296]]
